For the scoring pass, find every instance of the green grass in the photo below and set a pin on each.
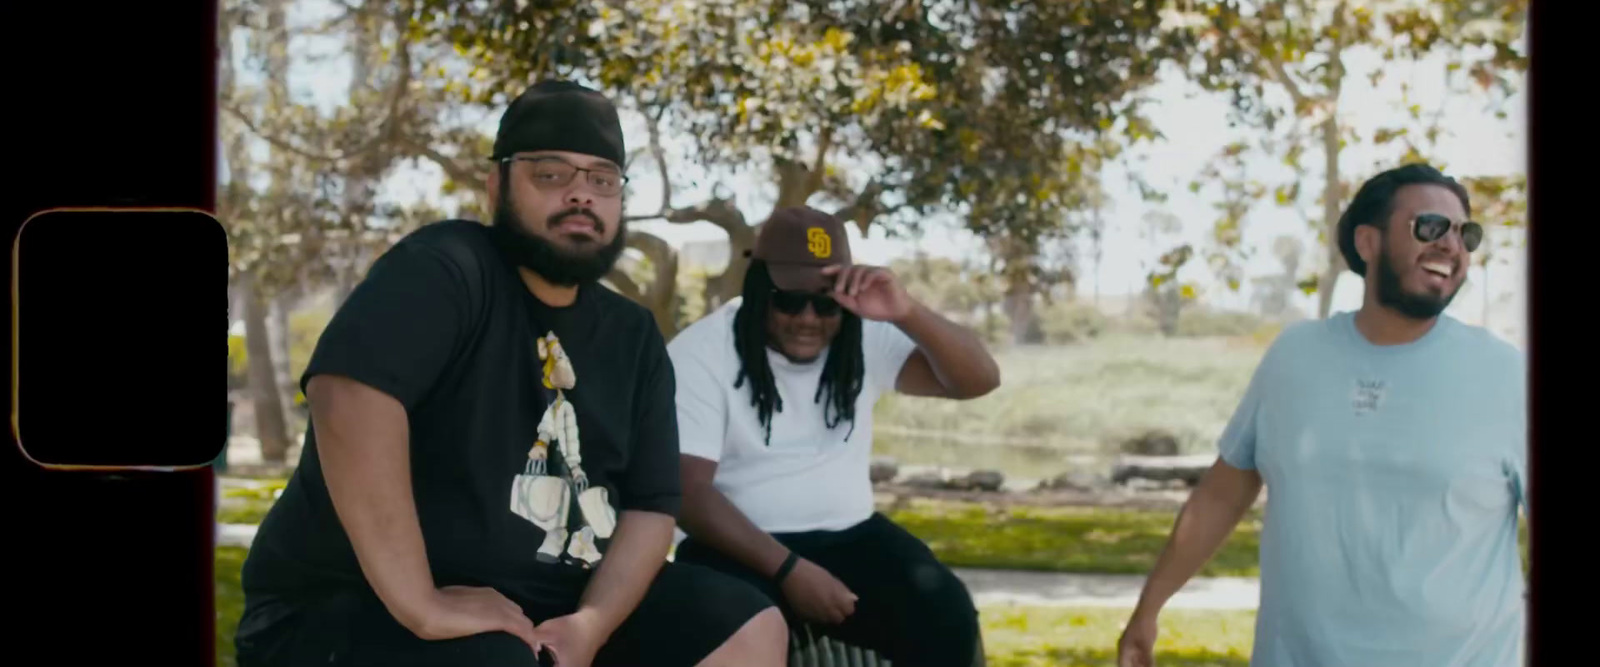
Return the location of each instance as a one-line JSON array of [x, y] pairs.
[[230, 601], [1023, 636], [1014, 636], [1100, 540], [1064, 539], [1084, 397], [248, 504]]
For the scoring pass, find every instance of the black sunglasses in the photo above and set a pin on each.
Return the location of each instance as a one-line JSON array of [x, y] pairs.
[[1430, 227], [792, 303]]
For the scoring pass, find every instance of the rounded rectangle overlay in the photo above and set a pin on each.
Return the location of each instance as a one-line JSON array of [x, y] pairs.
[[114, 358]]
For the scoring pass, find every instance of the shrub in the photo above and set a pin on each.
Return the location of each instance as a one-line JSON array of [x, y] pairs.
[[1199, 323], [1072, 322]]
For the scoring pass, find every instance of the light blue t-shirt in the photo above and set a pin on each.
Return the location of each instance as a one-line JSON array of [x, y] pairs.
[[1394, 475]]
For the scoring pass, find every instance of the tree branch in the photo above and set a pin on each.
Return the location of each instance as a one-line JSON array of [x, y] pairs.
[[719, 211], [452, 167], [866, 207], [381, 136], [653, 127], [624, 285], [1273, 69], [819, 165]]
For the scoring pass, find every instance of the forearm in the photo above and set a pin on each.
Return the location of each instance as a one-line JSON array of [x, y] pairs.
[[1207, 519], [709, 517], [362, 442], [959, 359], [637, 552]]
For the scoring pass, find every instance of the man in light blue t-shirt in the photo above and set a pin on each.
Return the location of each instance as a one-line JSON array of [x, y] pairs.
[[1393, 441]]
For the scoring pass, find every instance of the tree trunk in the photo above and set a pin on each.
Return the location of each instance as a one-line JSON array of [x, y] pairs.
[[278, 335], [1019, 307], [1170, 310], [724, 286], [1099, 251], [1332, 196], [348, 275], [269, 411], [1018, 256], [661, 296], [360, 174]]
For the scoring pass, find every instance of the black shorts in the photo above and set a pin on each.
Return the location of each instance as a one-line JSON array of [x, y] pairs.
[[911, 608], [687, 613]]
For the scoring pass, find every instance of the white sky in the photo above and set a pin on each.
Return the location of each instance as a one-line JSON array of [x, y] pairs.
[[1195, 125]]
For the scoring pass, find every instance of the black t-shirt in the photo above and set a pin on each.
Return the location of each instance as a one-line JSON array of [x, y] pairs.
[[444, 324]]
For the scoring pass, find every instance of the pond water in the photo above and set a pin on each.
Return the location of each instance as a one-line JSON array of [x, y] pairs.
[[1017, 460]]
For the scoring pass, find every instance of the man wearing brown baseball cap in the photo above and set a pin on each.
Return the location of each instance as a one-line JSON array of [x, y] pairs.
[[774, 398]]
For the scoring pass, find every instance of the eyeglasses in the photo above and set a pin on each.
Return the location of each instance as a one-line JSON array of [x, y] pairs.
[[793, 303], [551, 173], [1430, 227]]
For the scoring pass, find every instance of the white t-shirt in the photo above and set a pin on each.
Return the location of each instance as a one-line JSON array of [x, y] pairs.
[[810, 477]]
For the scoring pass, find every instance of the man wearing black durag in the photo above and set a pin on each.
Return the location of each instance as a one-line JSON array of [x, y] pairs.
[[491, 473]]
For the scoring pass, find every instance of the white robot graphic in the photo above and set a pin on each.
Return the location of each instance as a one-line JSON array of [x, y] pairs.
[[545, 499]]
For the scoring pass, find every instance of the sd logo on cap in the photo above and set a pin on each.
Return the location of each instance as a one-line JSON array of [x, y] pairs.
[[796, 243]]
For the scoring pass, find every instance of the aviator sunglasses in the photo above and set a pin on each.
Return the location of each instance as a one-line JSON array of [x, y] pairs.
[[793, 303], [1430, 227]]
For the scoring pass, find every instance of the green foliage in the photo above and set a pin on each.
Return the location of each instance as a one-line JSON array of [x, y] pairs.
[[691, 295], [1000, 108], [238, 362], [317, 210], [1283, 63]]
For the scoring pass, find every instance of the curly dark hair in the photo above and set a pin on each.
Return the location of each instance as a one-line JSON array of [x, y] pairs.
[[1374, 203]]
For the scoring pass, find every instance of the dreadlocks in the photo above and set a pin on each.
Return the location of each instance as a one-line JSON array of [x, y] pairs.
[[841, 373]]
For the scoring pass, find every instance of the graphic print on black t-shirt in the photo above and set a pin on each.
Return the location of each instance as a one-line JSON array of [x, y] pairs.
[[544, 496], [444, 324]]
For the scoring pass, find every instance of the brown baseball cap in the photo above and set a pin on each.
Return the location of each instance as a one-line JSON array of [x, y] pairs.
[[796, 243]]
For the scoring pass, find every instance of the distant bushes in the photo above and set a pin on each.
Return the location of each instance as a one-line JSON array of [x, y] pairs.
[[1076, 322], [1064, 323], [1203, 323]]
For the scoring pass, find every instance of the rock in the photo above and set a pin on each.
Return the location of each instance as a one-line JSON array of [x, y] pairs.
[[986, 480], [1074, 481], [925, 480], [1152, 443], [884, 469], [1187, 469]]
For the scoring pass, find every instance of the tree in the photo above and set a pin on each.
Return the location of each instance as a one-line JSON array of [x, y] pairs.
[[965, 291], [253, 232], [1283, 62], [1273, 292], [1166, 297], [305, 216], [972, 106]]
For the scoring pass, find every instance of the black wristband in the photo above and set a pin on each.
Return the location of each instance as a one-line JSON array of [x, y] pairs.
[[783, 570]]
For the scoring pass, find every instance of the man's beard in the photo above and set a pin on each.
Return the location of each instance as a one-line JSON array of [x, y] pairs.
[[560, 266], [1394, 296]]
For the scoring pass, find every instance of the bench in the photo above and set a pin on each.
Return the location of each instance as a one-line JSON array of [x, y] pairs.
[[810, 648]]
